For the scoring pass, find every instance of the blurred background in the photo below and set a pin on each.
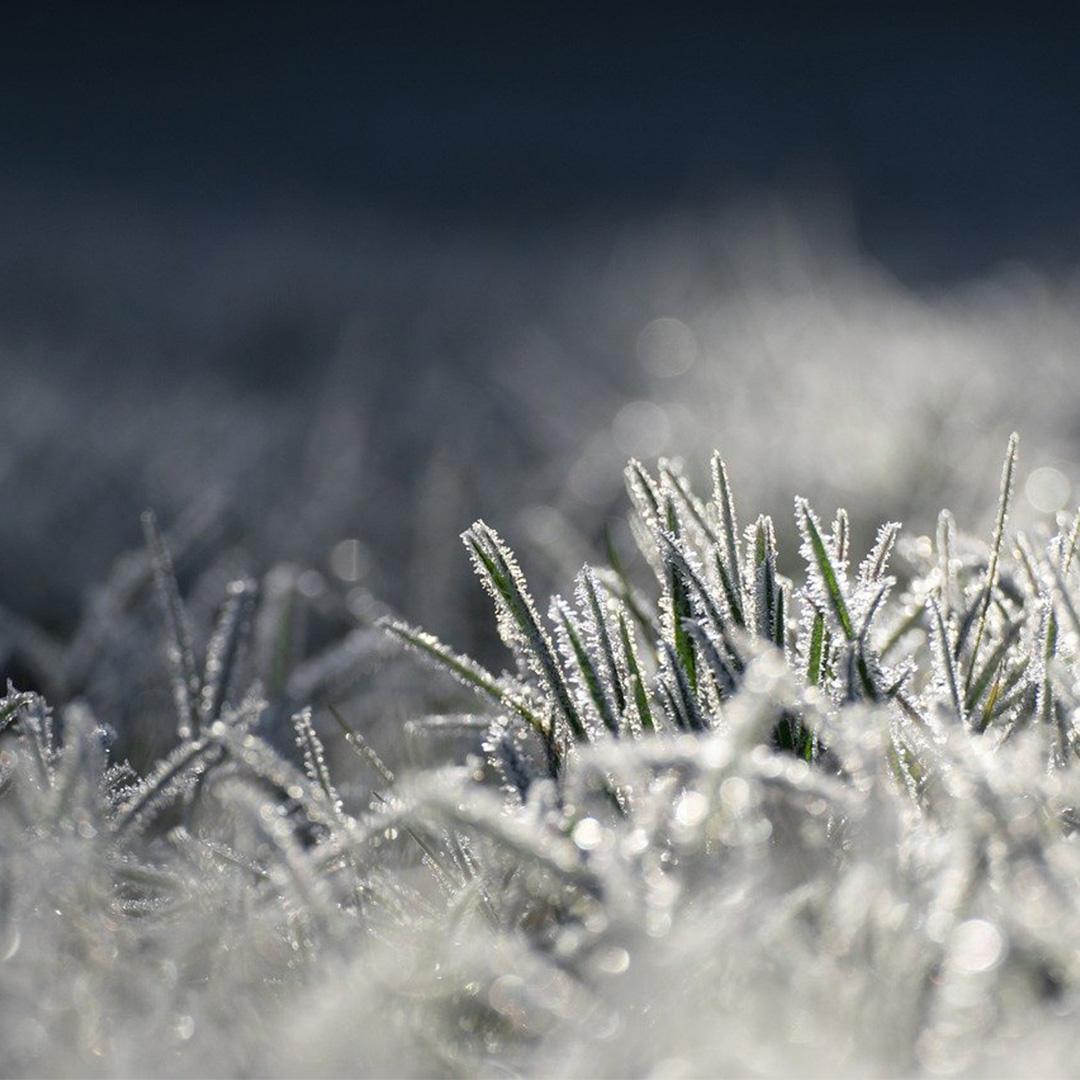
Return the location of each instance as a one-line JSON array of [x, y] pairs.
[[339, 278]]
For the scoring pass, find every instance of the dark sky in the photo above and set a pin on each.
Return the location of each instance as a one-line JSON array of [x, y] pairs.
[[957, 139]]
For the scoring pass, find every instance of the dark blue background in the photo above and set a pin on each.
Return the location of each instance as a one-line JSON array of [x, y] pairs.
[[955, 136]]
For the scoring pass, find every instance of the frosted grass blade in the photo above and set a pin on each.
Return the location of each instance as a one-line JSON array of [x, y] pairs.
[[821, 562], [186, 683], [1007, 473], [518, 619], [725, 504], [466, 670]]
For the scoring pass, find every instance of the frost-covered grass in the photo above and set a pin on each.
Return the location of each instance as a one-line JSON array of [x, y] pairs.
[[772, 813]]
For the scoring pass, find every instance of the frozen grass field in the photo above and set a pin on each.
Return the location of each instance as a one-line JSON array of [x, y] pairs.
[[731, 807], [431, 643]]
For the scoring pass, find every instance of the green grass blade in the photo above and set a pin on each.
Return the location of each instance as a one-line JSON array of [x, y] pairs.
[[815, 660], [729, 526], [992, 665], [586, 670], [518, 619], [591, 598], [817, 555], [637, 680]]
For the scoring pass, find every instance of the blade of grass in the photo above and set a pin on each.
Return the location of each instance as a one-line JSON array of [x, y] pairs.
[[1007, 473], [818, 556]]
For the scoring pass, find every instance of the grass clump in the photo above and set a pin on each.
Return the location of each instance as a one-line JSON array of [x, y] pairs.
[[738, 822]]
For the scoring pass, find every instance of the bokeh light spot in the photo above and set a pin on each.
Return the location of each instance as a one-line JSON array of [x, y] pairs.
[[667, 347], [1047, 489]]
